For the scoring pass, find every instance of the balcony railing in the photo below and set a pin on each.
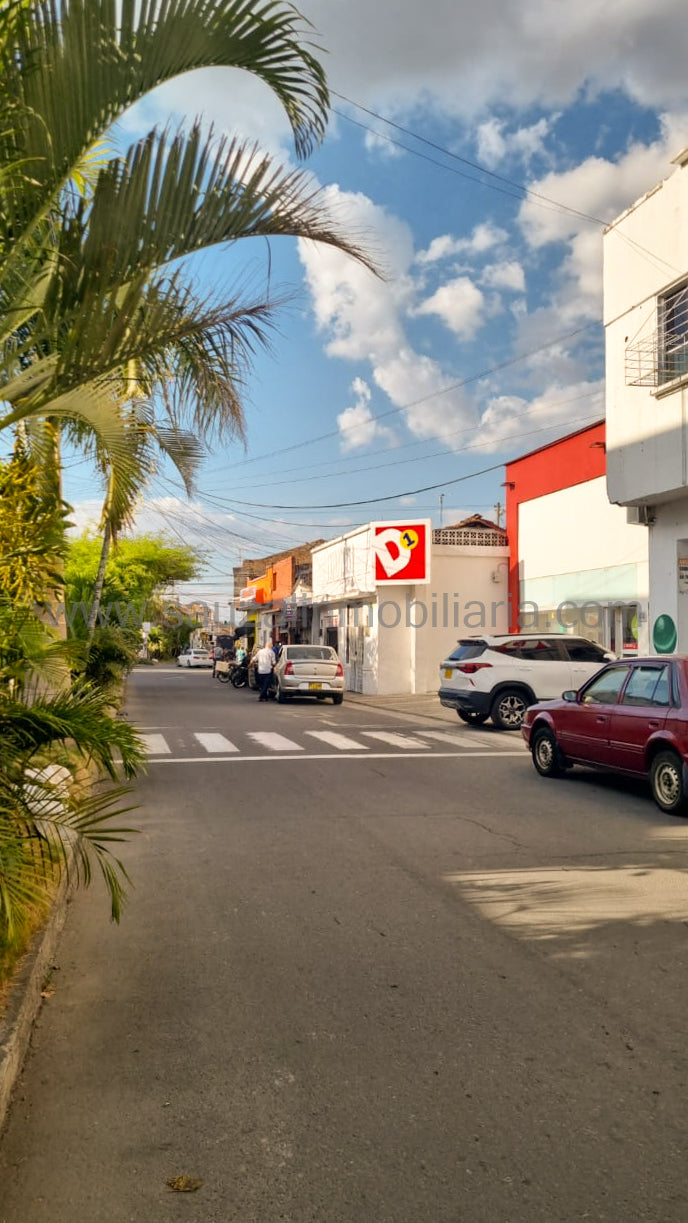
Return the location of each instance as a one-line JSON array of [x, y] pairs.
[[662, 356]]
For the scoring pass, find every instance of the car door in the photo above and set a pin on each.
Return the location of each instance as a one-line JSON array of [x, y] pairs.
[[583, 727], [642, 710], [549, 669], [586, 659]]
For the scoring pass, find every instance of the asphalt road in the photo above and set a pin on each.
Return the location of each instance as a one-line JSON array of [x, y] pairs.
[[397, 979]]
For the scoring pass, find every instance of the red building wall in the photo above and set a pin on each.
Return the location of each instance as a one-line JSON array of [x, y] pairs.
[[571, 460]]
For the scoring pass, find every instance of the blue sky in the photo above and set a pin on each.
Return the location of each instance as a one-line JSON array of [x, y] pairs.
[[484, 340]]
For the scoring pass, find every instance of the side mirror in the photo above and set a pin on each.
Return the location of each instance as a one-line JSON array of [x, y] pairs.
[[609, 657], [570, 695]]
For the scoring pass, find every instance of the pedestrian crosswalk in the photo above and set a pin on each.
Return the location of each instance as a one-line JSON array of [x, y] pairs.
[[175, 744]]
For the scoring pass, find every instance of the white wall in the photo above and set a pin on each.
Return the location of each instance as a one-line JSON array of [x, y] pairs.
[[473, 579], [344, 567], [467, 595], [646, 435], [410, 628], [573, 544], [668, 541]]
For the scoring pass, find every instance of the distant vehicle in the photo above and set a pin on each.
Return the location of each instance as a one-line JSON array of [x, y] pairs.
[[194, 658], [631, 718], [309, 670], [499, 676]]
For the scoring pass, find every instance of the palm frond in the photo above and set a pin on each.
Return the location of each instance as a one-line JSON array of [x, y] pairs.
[[77, 715], [120, 51]]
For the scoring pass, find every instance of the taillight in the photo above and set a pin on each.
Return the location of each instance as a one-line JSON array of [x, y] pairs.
[[289, 669], [340, 670], [470, 668]]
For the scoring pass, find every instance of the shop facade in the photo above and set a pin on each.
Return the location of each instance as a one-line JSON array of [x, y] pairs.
[[393, 598], [577, 565]]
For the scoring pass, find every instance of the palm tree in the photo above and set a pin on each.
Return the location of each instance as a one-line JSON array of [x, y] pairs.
[[49, 824], [90, 283], [47, 730]]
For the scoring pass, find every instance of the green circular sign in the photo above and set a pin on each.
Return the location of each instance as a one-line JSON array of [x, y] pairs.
[[664, 635]]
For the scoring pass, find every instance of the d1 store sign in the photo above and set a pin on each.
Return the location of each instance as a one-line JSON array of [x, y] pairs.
[[402, 552]]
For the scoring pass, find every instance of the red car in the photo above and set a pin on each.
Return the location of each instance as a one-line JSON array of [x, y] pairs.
[[632, 718]]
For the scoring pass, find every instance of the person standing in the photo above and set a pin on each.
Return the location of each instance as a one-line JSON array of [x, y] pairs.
[[265, 661]]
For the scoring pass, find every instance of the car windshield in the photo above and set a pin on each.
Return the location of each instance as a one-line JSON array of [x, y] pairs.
[[301, 653], [467, 649]]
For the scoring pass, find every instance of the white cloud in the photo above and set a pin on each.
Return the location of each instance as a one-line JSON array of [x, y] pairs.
[[490, 142], [381, 147], [483, 238], [519, 425], [506, 275], [357, 425], [460, 304], [534, 52], [363, 318], [495, 143], [601, 189]]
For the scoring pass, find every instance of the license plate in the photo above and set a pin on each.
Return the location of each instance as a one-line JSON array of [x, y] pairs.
[[315, 685], [448, 672]]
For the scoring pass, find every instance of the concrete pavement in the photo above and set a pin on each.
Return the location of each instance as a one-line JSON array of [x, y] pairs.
[[371, 988]]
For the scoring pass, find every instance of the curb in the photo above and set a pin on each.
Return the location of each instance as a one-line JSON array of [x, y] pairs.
[[24, 1001]]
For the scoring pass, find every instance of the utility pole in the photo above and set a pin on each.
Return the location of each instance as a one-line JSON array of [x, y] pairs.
[[441, 510], [498, 513]]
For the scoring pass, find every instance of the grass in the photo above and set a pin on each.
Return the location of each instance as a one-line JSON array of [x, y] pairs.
[[12, 953]]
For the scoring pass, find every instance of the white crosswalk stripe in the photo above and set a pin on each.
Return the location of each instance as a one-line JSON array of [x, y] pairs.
[[341, 742], [274, 742], [155, 745], [400, 741], [215, 742], [446, 736]]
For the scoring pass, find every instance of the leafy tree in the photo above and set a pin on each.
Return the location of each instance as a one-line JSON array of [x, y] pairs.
[[137, 570]]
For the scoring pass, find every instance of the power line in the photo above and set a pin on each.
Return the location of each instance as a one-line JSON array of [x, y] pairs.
[[443, 454], [473, 165], [409, 492], [537, 197], [414, 403]]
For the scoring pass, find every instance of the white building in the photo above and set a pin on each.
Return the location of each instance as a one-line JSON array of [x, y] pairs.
[[577, 565], [646, 329], [391, 638]]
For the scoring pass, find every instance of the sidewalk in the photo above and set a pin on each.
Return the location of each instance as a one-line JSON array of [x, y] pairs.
[[419, 705]]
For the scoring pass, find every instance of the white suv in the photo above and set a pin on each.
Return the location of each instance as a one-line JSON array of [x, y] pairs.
[[498, 677]]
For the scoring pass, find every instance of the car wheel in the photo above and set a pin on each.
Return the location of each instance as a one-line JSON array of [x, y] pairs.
[[666, 780], [337, 698], [282, 697], [473, 719], [546, 754], [509, 709]]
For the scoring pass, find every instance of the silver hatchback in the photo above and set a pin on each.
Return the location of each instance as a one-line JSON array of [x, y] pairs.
[[309, 670]]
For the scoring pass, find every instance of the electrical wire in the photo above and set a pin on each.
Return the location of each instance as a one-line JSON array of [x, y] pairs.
[[394, 496], [441, 454], [542, 201], [453, 386]]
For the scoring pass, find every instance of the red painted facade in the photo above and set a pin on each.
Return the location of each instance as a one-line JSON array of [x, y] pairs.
[[571, 460]]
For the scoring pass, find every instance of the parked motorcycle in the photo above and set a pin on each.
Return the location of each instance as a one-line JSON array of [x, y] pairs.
[[239, 675], [223, 671]]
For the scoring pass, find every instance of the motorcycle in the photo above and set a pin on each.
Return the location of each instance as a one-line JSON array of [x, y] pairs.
[[239, 675], [223, 671]]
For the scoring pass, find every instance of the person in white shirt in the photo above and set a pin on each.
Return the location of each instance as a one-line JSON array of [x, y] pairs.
[[265, 661]]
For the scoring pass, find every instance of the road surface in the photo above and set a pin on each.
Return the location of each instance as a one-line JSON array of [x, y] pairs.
[[373, 970]]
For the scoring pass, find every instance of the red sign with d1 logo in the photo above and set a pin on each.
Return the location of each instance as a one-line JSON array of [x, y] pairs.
[[402, 552]]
